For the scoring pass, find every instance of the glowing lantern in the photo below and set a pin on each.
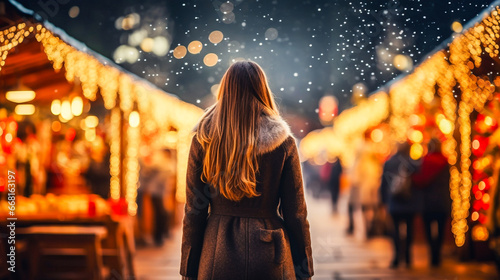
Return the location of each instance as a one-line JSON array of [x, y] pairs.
[[66, 110], [55, 107], [416, 151], [328, 108], [77, 106], [134, 119]]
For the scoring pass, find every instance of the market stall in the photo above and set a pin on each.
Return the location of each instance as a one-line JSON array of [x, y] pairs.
[[452, 95], [74, 126]]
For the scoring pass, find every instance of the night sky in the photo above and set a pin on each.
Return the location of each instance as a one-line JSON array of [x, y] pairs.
[[307, 48]]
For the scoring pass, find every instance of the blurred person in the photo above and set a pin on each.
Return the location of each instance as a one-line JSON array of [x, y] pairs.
[[401, 199], [324, 175], [334, 183], [312, 179], [170, 202], [97, 174], [243, 163], [365, 181], [493, 223], [28, 165], [154, 179], [433, 179]]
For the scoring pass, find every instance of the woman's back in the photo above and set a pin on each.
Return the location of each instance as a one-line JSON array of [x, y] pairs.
[[251, 238]]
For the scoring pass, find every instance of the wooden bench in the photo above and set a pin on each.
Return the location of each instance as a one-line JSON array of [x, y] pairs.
[[44, 241]]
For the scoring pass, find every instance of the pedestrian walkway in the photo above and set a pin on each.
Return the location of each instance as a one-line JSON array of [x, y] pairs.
[[336, 256]]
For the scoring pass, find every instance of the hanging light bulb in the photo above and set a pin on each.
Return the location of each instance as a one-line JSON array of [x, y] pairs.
[[77, 106], [25, 109], [66, 110], [20, 94], [134, 119], [91, 121], [55, 107]]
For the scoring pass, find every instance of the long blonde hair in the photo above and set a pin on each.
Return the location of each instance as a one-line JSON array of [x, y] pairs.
[[229, 129]]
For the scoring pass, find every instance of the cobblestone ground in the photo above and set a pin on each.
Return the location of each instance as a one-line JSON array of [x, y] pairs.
[[336, 255]]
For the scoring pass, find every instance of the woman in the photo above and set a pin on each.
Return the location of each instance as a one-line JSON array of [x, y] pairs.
[[243, 164]]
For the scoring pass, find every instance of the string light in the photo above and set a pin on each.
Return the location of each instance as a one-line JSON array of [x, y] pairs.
[[437, 76], [111, 83], [114, 149], [131, 162]]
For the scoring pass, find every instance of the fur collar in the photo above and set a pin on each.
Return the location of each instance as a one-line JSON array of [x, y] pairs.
[[272, 132]]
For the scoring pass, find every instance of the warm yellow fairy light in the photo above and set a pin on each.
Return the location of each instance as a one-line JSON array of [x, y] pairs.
[[377, 135], [416, 151], [132, 164], [91, 121], [416, 136], [112, 84], [456, 27], [210, 59], [480, 233], [180, 52], [481, 185], [20, 96], [439, 75], [90, 134], [11, 37], [445, 126], [134, 119], [55, 107], [114, 148], [77, 106], [215, 37], [25, 109], [56, 126], [195, 47], [474, 216], [66, 110]]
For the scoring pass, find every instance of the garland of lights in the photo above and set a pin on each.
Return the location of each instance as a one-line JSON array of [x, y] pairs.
[[113, 84], [11, 37], [444, 70], [114, 149], [132, 167]]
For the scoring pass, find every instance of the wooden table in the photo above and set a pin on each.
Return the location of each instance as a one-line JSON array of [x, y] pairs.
[[65, 241], [117, 247]]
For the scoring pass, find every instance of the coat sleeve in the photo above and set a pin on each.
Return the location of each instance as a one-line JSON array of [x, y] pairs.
[[195, 213], [294, 211]]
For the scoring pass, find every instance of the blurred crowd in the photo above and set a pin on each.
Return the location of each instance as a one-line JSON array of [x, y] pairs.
[[385, 194]]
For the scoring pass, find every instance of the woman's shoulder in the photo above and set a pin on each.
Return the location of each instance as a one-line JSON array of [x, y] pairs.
[[273, 132]]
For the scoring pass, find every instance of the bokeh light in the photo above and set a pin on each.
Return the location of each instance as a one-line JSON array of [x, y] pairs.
[[136, 37], [214, 89], [377, 135], [271, 34], [180, 52], [147, 44], [215, 37], [210, 59], [125, 53], [74, 12], [195, 47], [456, 27], [226, 7], [161, 45], [403, 62], [416, 151], [480, 233]]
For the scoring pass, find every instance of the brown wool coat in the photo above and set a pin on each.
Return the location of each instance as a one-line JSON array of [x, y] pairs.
[[266, 237]]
